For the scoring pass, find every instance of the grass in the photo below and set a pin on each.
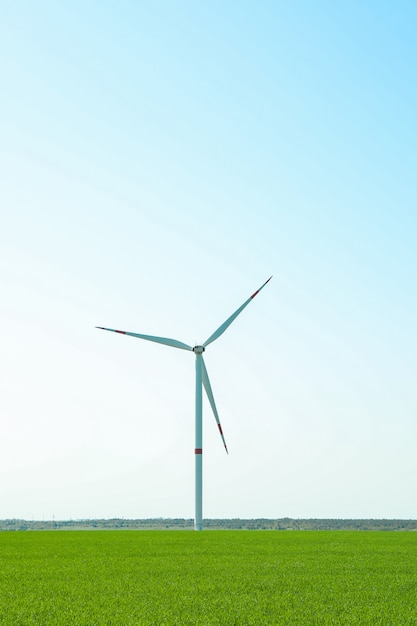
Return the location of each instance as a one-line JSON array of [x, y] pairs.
[[213, 578]]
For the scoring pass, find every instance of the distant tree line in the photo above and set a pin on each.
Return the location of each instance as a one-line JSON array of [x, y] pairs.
[[285, 523]]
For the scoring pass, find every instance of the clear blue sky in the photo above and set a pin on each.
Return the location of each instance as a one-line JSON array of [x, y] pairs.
[[159, 160]]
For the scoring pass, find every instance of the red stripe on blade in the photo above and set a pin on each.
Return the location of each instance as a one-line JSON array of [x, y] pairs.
[[198, 451], [258, 290]]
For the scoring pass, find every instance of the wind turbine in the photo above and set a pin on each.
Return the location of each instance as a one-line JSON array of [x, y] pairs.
[[201, 379]]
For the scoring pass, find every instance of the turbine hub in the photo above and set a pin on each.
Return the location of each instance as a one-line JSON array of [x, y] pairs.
[[199, 349]]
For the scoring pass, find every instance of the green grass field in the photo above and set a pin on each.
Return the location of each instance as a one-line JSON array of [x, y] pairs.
[[214, 577]]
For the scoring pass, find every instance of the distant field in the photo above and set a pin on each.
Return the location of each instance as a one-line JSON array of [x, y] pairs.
[[213, 578]]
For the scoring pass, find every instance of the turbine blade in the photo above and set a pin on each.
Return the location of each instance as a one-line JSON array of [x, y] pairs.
[[165, 340], [207, 387], [230, 319]]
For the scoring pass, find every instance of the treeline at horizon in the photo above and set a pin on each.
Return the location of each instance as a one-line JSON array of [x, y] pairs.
[[159, 523]]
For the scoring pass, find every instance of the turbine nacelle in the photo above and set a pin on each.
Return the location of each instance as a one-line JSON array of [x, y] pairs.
[[198, 349]]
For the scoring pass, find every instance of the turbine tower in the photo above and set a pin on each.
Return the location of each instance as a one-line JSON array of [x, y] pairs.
[[201, 380]]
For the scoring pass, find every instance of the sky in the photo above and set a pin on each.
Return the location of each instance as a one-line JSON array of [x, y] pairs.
[[159, 160]]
